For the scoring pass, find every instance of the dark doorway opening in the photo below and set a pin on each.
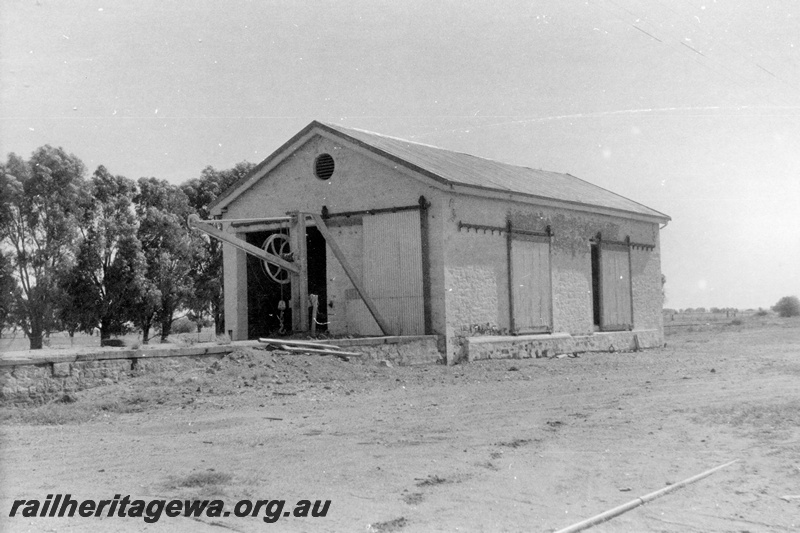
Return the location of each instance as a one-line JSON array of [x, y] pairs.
[[264, 294], [596, 284], [318, 275], [264, 318]]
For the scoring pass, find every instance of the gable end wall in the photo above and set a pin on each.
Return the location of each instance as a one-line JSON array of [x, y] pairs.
[[361, 181]]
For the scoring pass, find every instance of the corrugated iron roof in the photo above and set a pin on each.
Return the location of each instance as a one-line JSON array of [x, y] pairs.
[[456, 168], [472, 171]]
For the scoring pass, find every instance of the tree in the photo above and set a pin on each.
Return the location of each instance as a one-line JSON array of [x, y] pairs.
[[40, 203], [9, 292], [105, 285], [787, 306], [162, 209], [207, 268]]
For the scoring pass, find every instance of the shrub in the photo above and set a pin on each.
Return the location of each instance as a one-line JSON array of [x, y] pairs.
[[787, 306], [183, 325], [762, 312], [113, 343]]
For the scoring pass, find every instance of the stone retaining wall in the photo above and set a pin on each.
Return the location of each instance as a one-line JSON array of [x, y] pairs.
[[404, 351], [41, 378], [526, 346], [31, 377]]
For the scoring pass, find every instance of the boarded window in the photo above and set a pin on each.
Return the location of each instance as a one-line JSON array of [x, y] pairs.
[[531, 285], [615, 287], [392, 274]]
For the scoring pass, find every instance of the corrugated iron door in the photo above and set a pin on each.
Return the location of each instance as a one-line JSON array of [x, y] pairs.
[[392, 271], [615, 291], [530, 273]]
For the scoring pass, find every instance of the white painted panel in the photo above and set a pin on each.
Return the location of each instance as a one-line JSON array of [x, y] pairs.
[[530, 268], [616, 284], [392, 267]]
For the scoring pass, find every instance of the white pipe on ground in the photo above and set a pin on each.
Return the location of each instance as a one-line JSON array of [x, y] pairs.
[[625, 507]]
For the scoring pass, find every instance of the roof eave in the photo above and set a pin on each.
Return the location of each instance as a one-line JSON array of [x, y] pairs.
[[488, 192]]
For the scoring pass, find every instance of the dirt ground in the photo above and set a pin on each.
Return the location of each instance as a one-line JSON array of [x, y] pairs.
[[505, 445]]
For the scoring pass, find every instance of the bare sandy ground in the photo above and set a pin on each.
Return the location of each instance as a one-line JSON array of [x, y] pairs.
[[510, 445]]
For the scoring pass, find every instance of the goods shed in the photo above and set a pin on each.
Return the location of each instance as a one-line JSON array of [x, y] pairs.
[[360, 235]]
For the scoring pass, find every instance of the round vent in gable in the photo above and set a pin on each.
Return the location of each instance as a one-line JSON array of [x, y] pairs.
[[323, 166]]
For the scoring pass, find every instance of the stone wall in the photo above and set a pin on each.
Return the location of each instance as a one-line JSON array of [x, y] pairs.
[[532, 346], [403, 351], [41, 378], [476, 267], [38, 379]]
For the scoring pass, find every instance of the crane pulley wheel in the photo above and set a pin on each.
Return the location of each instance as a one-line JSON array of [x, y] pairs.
[[277, 244]]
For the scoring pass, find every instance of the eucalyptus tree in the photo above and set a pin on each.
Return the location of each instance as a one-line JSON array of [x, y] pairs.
[[162, 209], [40, 203], [207, 298], [9, 291], [107, 281]]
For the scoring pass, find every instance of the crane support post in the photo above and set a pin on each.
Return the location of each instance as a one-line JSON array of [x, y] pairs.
[[297, 232]]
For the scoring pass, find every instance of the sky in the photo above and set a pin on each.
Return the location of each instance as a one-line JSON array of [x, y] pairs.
[[691, 107]]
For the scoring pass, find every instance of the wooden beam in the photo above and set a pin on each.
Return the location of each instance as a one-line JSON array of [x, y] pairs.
[[319, 351], [426, 265], [630, 278], [510, 271], [297, 233], [195, 222], [326, 216], [245, 220], [310, 344], [334, 246]]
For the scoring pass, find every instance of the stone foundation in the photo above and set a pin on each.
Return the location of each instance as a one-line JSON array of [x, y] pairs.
[[528, 346], [40, 378], [403, 351]]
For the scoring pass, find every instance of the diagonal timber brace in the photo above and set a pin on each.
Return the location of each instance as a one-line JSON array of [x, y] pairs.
[[354, 279], [194, 222]]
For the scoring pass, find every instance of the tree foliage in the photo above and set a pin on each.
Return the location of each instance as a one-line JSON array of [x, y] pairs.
[[107, 252], [168, 248], [105, 284], [207, 267], [42, 200], [9, 291], [787, 306]]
